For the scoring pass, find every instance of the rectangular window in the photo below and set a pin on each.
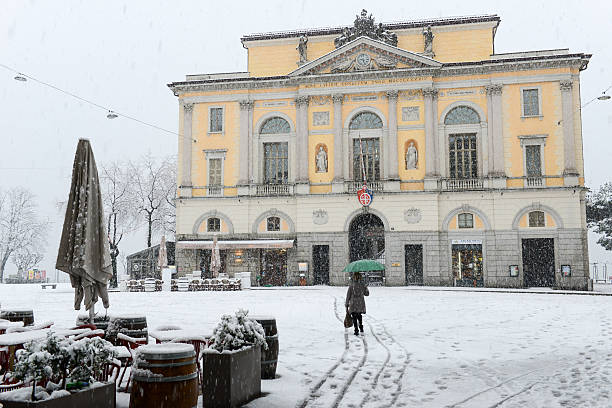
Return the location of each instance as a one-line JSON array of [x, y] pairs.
[[463, 160], [465, 220], [273, 224], [531, 102], [536, 219], [214, 225], [216, 120], [533, 161], [276, 163], [371, 159], [214, 172]]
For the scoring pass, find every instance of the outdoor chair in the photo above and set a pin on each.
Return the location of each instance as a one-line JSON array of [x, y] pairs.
[[193, 285], [236, 284], [226, 284], [216, 285], [132, 344], [206, 284], [158, 285], [173, 285], [90, 334], [141, 285]]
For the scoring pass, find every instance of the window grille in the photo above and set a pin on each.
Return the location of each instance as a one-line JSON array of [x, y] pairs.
[[534, 161], [214, 225], [536, 219], [465, 220], [273, 224], [371, 159], [216, 119], [531, 102], [463, 158], [276, 163]]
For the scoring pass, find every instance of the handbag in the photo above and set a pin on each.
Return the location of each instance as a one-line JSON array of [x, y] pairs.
[[348, 322]]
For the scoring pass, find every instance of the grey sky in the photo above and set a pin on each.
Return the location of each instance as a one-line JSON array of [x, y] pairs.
[[122, 53]]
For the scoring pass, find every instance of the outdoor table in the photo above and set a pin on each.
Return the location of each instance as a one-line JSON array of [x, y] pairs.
[[166, 336], [5, 324]]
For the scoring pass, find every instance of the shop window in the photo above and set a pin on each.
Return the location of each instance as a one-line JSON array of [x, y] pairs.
[[371, 159], [214, 225], [215, 123], [531, 102], [276, 163], [536, 219], [465, 220], [273, 224], [462, 155]]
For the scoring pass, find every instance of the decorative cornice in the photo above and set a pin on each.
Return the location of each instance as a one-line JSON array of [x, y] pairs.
[[338, 98], [301, 101], [566, 85], [392, 95], [188, 107], [494, 89], [430, 92], [247, 105]]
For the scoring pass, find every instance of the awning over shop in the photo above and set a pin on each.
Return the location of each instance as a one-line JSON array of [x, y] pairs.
[[247, 244]]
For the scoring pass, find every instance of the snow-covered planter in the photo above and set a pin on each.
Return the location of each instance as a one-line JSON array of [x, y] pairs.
[[231, 366], [98, 395], [59, 364]]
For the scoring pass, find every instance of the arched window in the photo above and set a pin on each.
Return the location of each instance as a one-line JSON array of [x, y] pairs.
[[213, 224], [273, 224], [275, 125], [366, 120], [536, 219], [465, 220], [462, 115]]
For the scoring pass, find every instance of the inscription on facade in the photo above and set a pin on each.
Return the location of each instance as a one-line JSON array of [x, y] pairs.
[[320, 217], [364, 98], [363, 83], [412, 215], [273, 104], [320, 118], [410, 113]]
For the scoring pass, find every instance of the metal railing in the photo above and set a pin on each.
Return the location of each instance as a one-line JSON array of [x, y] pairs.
[[534, 182], [462, 184], [354, 186], [274, 189], [214, 190]]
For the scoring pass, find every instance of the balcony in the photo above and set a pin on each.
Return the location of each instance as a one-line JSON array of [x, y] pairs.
[[461, 184], [354, 186], [534, 182], [214, 191], [274, 189]]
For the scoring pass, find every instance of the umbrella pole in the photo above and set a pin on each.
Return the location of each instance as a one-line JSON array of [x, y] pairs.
[[91, 313]]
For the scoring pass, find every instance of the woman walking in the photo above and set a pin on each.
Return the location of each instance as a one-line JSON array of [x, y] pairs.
[[355, 302]]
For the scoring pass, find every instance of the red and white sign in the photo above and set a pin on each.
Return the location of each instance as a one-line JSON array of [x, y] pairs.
[[364, 196]]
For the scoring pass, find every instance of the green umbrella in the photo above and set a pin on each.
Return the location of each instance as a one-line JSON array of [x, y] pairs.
[[364, 265]]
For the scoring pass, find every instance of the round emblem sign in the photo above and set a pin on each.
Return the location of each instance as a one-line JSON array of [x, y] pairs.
[[364, 196]]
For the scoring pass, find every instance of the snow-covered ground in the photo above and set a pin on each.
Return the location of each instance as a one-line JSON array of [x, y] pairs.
[[422, 348]]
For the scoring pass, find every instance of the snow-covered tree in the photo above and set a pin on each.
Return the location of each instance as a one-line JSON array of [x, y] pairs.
[[599, 214], [28, 257], [33, 364]]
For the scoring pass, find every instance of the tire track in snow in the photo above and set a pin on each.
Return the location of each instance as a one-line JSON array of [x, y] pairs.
[[316, 396]]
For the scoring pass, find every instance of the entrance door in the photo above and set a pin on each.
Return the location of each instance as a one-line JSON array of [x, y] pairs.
[[273, 267], [413, 261], [367, 238], [320, 261], [539, 262], [467, 264]]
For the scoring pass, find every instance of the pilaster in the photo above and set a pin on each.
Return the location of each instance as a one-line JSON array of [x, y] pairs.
[[187, 145], [246, 107], [570, 174], [392, 137], [494, 100], [338, 181], [301, 104], [432, 171]]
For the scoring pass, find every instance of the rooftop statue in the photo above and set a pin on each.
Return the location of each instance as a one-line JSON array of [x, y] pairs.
[[364, 26]]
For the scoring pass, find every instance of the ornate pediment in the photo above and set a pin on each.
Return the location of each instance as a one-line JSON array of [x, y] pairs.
[[364, 26], [365, 54]]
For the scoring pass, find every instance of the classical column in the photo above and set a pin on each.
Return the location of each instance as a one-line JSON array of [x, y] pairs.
[[187, 143], [244, 163], [494, 98], [301, 104], [431, 155], [338, 156], [392, 144], [567, 120]]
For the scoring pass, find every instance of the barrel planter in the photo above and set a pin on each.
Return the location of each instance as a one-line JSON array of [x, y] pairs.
[[131, 325], [18, 315], [230, 379], [101, 322], [100, 396], [165, 376], [269, 357]]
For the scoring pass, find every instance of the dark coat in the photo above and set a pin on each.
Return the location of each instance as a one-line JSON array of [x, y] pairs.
[[355, 301]]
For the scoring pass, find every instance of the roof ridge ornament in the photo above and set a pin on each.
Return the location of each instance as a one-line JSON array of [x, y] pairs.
[[364, 26]]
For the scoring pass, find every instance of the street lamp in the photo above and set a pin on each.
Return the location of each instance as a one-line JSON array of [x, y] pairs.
[[20, 77], [111, 115], [603, 97]]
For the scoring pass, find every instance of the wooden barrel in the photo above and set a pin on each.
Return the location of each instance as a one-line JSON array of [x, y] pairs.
[[165, 376], [101, 322], [131, 325], [269, 357], [18, 315]]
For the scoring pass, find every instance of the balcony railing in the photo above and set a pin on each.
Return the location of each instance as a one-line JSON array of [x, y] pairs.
[[214, 191], [462, 184], [354, 186], [534, 182], [274, 189]]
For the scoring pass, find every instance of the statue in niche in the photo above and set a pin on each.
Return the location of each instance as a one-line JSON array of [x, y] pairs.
[[302, 49], [321, 160], [412, 157], [428, 37]]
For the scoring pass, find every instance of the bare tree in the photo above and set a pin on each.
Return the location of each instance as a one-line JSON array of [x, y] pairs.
[[27, 258], [170, 185], [151, 191], [118, 209], [20, 227]]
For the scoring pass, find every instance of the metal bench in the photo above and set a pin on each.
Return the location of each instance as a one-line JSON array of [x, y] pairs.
[[51, 285]]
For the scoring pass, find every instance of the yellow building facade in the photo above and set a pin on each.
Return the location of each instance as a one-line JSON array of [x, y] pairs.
[[472, 158]]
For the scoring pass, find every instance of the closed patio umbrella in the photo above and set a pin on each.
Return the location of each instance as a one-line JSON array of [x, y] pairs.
[[215, 259], [83, 251], [162, 258]]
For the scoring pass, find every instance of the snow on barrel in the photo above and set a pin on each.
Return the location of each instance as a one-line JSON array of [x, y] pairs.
[[164, 375]]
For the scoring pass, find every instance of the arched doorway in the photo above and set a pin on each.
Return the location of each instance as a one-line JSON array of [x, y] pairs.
[[366, 237]]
